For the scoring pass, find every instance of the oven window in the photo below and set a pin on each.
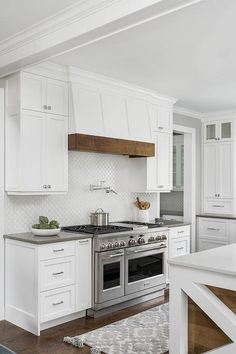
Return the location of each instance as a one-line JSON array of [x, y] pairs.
[[145, 267], [111, 275]]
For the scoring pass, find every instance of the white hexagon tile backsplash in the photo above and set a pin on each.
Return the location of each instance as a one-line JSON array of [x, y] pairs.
[[75, 206]]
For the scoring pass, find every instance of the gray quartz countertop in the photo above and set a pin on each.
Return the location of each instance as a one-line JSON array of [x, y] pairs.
[[41, 240], [173, 223]]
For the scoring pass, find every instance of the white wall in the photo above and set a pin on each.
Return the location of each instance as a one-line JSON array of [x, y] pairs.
[[74, 208], [193, 123], [1, 203]]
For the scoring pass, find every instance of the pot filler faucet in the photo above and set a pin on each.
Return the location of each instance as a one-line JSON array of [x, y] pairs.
[[101, 187]]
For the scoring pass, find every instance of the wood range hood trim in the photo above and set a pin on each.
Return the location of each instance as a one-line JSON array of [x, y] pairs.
[[101, 144]]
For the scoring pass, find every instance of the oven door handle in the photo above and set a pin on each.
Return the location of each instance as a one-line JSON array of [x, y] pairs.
[[145, 250], [113, 255]]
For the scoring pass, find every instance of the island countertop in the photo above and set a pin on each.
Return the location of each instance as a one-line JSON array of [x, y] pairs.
[[41, 240], [220, 260]]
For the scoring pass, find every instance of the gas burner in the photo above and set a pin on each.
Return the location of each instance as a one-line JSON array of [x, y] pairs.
[[96, 230], [140, 224]]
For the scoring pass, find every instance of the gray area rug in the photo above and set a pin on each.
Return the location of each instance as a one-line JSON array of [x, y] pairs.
[[144, 333]]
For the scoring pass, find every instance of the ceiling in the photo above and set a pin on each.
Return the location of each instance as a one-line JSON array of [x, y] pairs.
[[189, 54], [16, 15]]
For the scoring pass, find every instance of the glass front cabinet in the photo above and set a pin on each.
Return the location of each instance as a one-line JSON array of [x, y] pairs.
[[218, 131]]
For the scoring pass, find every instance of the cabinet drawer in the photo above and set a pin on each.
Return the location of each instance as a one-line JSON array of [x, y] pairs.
[[213, 229], [57, 273], [204, 244], [57, 303], [218, 206], [179, 247], [175, 232], [56, 250]]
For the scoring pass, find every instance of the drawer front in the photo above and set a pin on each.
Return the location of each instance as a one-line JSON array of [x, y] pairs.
[[218, 206], [180, 247], [56, 273], [180, 231], [57, 303], [56, 250], [213, 229], [205, 244]]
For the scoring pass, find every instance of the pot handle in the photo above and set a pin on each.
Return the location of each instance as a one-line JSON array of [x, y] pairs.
[[100, 210]]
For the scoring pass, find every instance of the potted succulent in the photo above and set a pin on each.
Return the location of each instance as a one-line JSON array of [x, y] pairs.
[[46, 227]]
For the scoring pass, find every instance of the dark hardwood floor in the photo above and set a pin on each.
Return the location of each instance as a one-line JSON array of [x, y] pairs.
[[51, 340]]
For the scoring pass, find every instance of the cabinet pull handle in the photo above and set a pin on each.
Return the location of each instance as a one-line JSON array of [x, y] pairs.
[[60, 250], [44, 186], [160, 128], [180, 248], [49, 108], [213, 228], [49, 186], [180, 232], [83, 241], [45, 106], [146, 284], [218, 206], [160, 186], [58, 303], [58, 273]]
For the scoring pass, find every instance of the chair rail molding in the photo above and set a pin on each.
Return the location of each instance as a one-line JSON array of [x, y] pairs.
[[78, 25]]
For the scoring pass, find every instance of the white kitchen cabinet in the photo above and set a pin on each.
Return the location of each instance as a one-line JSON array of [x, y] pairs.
[[40, 142], [232, 231], [212, 232], [43, 94], [178, 163], [217, 131], [161, 119], [218, 178], [46, 284], [84, 272]]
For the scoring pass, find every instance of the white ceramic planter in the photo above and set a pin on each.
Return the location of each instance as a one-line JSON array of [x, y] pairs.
[[46, 232]]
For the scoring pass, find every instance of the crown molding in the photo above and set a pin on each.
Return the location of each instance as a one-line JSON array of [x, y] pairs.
[[80, 76], [78, 25], [223, 114], [187, 112]]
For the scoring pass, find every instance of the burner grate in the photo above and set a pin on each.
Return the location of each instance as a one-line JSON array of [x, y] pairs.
[[96, 230]]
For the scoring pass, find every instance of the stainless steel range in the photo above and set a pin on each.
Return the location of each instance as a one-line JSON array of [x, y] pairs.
[[129, 261]]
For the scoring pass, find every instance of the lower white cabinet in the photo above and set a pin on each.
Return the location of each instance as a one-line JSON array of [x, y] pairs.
[[46, 283], [214, 232], [178, 242]]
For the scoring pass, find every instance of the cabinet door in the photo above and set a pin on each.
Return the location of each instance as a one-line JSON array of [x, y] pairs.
[[33, 92], [211, 132], [225, 130], [138, 118], [225, 170], [57, 97], [164, 156], [32, 153], [161, 119], [83, 269], [232, 231], [56, 153], [210, 171], [179, 247], [204, 244]]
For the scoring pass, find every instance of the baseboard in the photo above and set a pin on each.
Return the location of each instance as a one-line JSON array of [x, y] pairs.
[[22, 319], [61, 320]]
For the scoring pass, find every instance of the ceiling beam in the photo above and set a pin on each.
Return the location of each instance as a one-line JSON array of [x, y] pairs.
[[79, 25]]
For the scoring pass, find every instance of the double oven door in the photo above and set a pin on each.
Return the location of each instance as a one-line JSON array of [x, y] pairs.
[[128, 271]]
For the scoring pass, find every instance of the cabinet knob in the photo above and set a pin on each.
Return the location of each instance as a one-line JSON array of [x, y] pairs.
[[44, 186], [45, 106], [49, 108], [160, 128], [49, 186]]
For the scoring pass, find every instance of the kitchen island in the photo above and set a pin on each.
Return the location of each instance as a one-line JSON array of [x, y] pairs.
[[203, 302]]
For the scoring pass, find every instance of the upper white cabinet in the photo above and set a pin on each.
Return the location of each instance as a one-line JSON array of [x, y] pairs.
[[217, 131], [178, 163], [43, 94], [36, 135], [161, 119]]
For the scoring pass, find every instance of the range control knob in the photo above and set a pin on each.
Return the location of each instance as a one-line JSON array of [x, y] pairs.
[[141, 240], [116, 244], [163, 237], [158, 238], [132, 242], [109, 245], [151, 239], [122, 243], [103, 246]]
